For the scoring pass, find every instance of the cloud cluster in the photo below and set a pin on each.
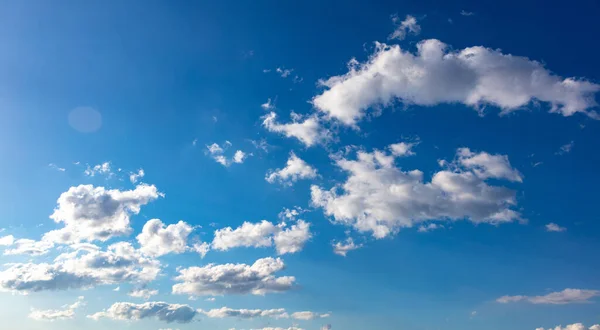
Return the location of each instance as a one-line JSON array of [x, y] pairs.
[[216, 280], [82, 268], [295, 169], [94, 213], [156, 239], [308, 130], [567, 296], [224, 312], [381, 198], [162, 311], [217, 153], [264, 234], [575, 326], [474, 76], [408, 25], [67, 313]]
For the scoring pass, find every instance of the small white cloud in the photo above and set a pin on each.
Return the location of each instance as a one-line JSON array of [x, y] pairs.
[[142, 293], [554, 227], [466, 13], [239, 157], [7, 240], [283, 72], [408, 25], [55, 167], [574, 326], [67, 313], [295, 169], [306, 315], [565, 149], [117, 289], [342, 248], [567, 296], [268, 105], [134, 177], [310, 131], [100, 169], [429, 227], [217, 153]]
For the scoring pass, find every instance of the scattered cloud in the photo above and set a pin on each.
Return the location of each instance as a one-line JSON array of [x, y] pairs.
[[381, 198], [67, 313], [283, 72], [408, 25], [94, 213], [429, 227], [7, 240], [295, 169], [100, 169], [135, 177], [575, 326], [474, 76], [269, 105], [217, 153], [567, 296], [291, 214], [215, 280], [142, 293], [466, 13], [261, 145], [224, 312], [308, 315], [162, 311], [565, 149], [309, 131], [554, 227], [55, 167], [342, 248]]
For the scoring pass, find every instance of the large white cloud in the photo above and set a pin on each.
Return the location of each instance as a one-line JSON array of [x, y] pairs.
[[381, 198], [156, 239], [83, 268], [94, 213], [474, 76], [67, 313], [308, 130], [264, 234], [574, 326], [162, 311], [567, 296], [295, 169], [215, 280]]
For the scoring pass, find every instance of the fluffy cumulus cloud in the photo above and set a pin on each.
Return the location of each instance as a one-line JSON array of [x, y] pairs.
[[575, 326], [66, 313], [224, 312], [342, 248], [567, 296], [308, 130], [216, 280], [82, 268], [217, 153], [156, 239], [136, 176], [403, 27], [381, 198], [94, 213], [161, 311], [287, 239], [474, 76], [295, 169]]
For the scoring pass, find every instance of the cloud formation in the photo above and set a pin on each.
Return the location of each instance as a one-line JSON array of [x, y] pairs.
[[161, 311], [381, 198], [216, 280], [567, 296], [295, 169], [156, 239], [342, 248], [408, 25], [67, 313], [574, 326], [474, 76], [309, 131]]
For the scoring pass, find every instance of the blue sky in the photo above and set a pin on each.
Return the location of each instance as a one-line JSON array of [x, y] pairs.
[[437, 161]]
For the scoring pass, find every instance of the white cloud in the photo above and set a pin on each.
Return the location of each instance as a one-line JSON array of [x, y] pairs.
[[574, 326], [554, 227], [309, 131], [264, 234], [429, 227], [224, 312], [135, 177], [567, 296], [215, 280], [269, 105], [94, 213], [487, 166], [82, 268], [474, 76], [306, 315], [292, 240], [565, 149], [7, 240], [142, 293], [381, 198], [291, 214], [162, 311], [29, 246], [278, 328], [55, 167], [294, 170], [67, 313], [201, 248], [342, 248], [283, 72], [102, 169], [326, 327], [402, 149], [408, 25], [156, 239], [466, 13], [216, 152]]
